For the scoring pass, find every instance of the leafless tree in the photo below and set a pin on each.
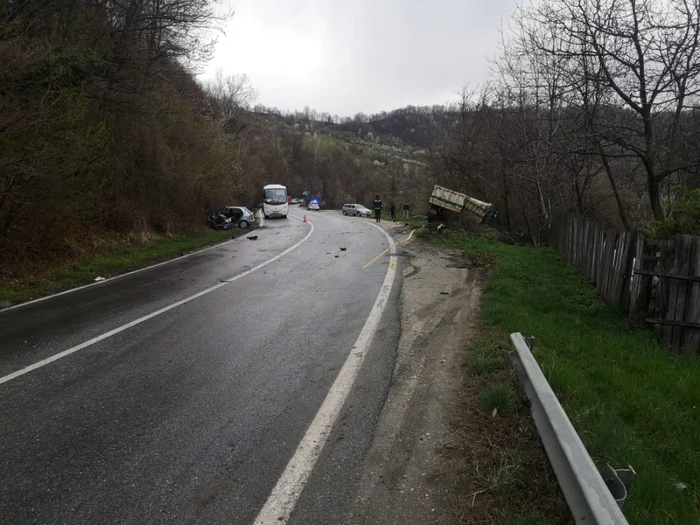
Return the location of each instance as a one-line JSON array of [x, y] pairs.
[[230, 94], [647, 58]]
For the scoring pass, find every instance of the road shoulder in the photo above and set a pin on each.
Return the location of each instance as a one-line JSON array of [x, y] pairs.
[[406, 479], [437, 456]]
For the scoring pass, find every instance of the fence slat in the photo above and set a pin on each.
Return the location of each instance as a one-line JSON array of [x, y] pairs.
[[589, 249], [626, 287], [634, 292], [666, 290], [621, 271], [599, 254], [611, 259], [691, 345], [681, 267], [615, 275], [584, 250], [608, 260], [643, 288]]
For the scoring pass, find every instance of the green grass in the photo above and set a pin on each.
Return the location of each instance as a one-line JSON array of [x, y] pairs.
[[631, 401], [110, 260], [521, 518], [496, 395], [506, 473], [485, 363]]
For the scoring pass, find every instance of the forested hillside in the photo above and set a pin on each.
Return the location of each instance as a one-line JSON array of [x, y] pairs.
[[104, 130], [103, 126]]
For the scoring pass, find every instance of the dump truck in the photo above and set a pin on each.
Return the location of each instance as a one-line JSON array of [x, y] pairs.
[[443, 200]]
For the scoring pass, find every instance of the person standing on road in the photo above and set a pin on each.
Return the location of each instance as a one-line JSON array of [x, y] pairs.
[[406, 208], [377, 206], [393, 211]]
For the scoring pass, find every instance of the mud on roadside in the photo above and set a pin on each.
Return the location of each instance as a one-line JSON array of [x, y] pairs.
[[438, 456]]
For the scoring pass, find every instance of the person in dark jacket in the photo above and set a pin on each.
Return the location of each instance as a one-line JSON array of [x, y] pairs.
[[377, 206], [393, 211]]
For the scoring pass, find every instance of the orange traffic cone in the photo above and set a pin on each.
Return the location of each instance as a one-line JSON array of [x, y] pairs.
[[305, 218]]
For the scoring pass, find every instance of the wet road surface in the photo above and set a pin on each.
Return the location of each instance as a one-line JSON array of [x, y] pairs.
[[192, 415]]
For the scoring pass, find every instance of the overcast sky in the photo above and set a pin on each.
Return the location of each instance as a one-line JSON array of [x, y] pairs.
[[346, 56]]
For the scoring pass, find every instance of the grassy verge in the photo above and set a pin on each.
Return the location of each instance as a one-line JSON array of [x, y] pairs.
[[109, 259], [505, 479], [629, 399]]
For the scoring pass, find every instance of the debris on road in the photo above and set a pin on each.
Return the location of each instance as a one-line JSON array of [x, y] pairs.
[[343, 249], [252, 238], [97, 279]]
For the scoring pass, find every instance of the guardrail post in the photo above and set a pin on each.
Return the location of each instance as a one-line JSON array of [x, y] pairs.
[[619, 481]]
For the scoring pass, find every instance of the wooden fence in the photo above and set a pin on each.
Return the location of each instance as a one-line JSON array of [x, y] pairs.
[[656, 282]]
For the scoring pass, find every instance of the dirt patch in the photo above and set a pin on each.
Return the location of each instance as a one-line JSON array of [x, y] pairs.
[[438, 456], [217, 487]]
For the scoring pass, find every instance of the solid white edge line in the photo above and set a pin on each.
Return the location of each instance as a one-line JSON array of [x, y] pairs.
[[132, 272], [140, 320], [286, 492]]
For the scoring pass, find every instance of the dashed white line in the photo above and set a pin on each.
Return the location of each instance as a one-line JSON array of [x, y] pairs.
[[284, 496], [140, 320]]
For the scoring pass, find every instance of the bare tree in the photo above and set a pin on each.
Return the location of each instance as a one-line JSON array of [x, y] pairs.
[[647, 53], [230, 94]]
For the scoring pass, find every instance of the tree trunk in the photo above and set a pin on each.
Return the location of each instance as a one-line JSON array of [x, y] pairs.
[[613, 185], [655, 200], [506, 201], [579, 197]]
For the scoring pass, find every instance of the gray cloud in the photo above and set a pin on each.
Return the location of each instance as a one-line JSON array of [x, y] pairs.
[[361, 55]]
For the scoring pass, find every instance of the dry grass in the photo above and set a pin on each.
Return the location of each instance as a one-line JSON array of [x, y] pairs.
[[505, 476]]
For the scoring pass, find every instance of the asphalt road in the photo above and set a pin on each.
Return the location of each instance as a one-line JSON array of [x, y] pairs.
[[192, 415]]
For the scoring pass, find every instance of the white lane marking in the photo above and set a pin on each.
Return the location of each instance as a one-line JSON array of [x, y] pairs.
[[311, 230], [140, 320], [281, 502], [132, 272]]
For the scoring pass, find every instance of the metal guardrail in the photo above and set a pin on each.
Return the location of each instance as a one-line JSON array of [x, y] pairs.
[[592, 499]]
